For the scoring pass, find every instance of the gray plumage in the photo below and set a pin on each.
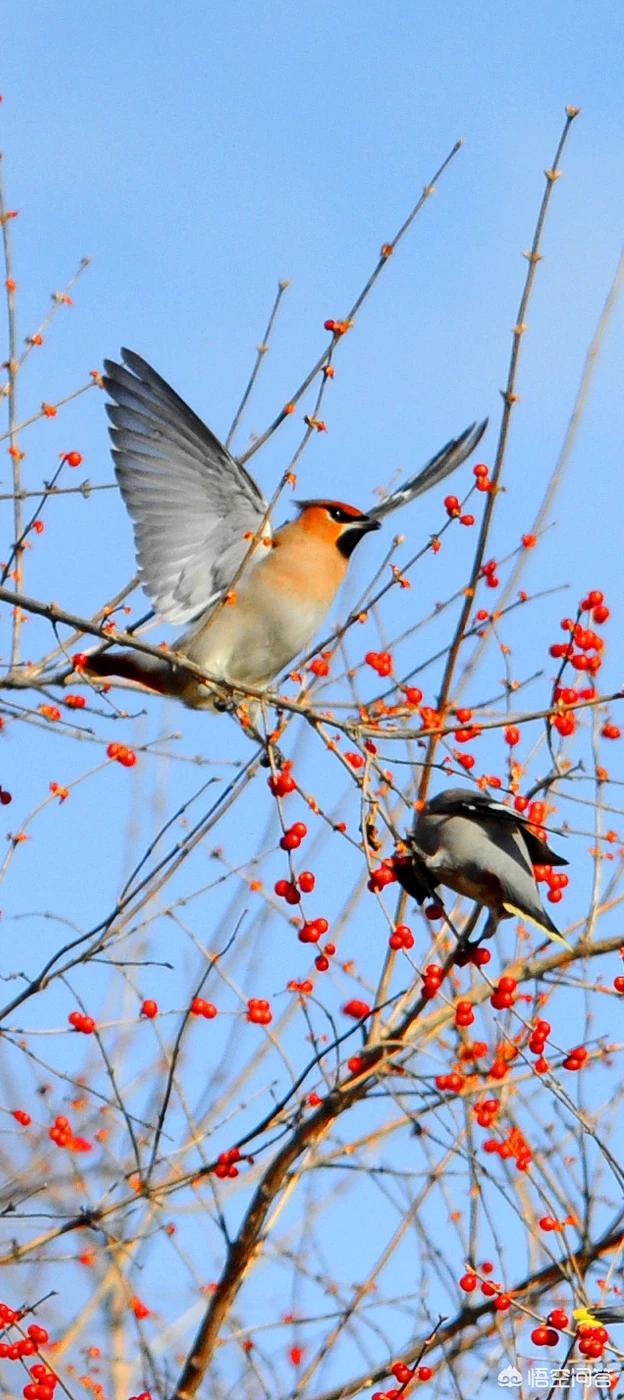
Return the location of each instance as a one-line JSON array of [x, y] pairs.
[[478, 848], [194, 506]]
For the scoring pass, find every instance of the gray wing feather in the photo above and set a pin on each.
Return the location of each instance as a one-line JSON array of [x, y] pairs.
[[445, 461], [491, 814], [192, 504]]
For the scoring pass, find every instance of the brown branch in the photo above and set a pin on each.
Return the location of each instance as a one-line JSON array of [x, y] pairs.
[[509, 399]]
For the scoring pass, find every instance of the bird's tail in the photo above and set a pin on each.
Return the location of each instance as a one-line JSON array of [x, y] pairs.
[[133, 669], [541, 921], [604, 1315]]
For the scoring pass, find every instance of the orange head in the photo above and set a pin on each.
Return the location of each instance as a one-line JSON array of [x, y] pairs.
[[336, 523]]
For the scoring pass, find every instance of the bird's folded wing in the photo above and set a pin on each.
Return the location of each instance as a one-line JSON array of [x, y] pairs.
[[194, 506], [445, 461], [456, 802]]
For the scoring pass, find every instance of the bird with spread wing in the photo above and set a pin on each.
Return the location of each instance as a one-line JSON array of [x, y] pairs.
[[206, 552]]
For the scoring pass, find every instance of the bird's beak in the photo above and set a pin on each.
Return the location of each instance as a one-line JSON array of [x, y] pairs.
[[354, 532]]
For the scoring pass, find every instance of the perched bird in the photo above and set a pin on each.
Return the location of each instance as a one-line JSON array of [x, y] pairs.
[[479, 848], [599, 1316], [196, 513]]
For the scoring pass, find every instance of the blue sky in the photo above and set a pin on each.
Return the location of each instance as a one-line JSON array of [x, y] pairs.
[[198, 153]]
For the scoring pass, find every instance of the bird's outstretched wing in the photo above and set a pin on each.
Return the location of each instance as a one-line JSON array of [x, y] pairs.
[[445, 461], [194, 506], [464, 802]]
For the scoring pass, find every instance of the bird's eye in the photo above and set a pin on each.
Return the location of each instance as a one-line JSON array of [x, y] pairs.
[[342, 517]]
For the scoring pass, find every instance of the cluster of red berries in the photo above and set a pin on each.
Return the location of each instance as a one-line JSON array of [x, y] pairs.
[[454, 511], [321, 962], [280, 784], [380, 661], [337, 327], [591, 1337], [292, 838], [504, 994], [122, 754], [82, 1023], [549, 1224], [537, 1041], [287, 889], [320, 665], [575, 1059], [226, 1163], [450, 1083], [485, 1112], [50, 712], [467, 731], [42, 1385], [306, 987], [21, 1116], [403, 1374], [592, 1340], [61, 1133], [464, 1014], [478, 956], [557, 881], [199, 1007], [482, 474], [590, 645], [488, 572], [513, 1146], [401, 937], [75, 702], [43, 1382], [433, 976], [489, 1287], [259, 1011], [385, 874], [355, 759], [312, 930], [356, 1008]]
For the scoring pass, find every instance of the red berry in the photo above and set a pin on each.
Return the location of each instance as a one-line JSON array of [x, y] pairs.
[[558, 1318], [149, 1009], [356, 1008], [306, 881], [468, 1282], [73, 459], [37, 1334], [544, 1337]]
